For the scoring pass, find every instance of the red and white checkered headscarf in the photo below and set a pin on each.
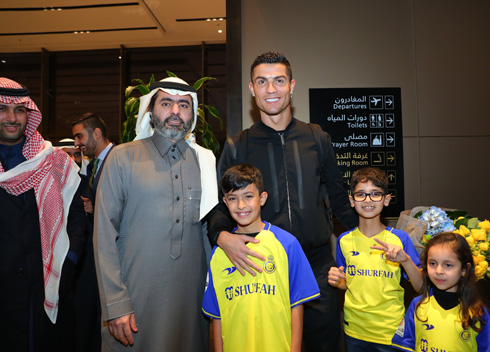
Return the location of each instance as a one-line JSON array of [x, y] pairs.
[[53, 176]]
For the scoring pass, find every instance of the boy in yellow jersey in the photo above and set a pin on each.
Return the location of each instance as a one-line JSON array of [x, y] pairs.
[[262, 312], [371, 260]]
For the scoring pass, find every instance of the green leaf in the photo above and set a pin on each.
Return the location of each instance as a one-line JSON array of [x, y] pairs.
[[460, 222], [472, 223], [212, 110], [137, 80], [130, 102], [453, 215], [143, 88], [418, 215], [134, 109], [152, 80], [128, 91], [200, 82], [171, 74]]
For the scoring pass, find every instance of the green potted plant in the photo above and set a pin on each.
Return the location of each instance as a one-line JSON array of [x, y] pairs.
[[203, 131]]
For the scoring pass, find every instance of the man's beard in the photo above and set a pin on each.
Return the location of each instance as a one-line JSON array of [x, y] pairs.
[[173, 133], [5, 136]]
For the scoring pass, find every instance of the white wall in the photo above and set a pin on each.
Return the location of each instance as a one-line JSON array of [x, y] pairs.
[[438, 52]]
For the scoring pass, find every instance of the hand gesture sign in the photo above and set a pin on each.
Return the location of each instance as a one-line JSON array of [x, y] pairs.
[[393, 252]]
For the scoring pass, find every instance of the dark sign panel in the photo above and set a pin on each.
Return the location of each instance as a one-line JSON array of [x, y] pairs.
[[366, 129]]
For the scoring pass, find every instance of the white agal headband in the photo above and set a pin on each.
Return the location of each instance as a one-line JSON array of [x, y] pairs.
[[172, 86]]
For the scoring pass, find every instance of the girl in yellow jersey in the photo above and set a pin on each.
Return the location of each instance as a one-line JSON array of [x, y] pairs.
[[449, 316]]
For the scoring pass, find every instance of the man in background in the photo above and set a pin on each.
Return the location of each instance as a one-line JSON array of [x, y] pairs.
[[68, 146], [87, 302], [90, 134]]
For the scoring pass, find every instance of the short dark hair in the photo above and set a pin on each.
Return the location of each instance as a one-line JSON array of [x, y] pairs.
[[240, 176], [90, 122], [373, 174], [271, 58]]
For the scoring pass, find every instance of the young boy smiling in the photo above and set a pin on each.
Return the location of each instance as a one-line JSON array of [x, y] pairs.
[[374, 302], [262, 312]]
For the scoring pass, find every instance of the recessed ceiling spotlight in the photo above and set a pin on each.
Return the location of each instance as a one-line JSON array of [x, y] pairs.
[[220, 31], [4, 62], [221, 18], [208, 19]]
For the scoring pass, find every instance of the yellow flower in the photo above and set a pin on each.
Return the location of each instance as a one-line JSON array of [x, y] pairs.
[[458, 232], [484, 225], [471, 241], [478, 234], [478, 259], [483, 265], [464, 230], [484, 246], [479, 272], [461, 217]]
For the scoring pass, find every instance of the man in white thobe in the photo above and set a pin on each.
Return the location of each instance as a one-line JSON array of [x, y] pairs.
[[149, 248]]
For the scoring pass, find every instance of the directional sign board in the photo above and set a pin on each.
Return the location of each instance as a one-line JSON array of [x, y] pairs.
[[366, 129]]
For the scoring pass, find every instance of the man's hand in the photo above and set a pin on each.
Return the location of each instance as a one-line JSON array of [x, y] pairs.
[[121, 328], [336, 276], [87, 205], [236, 250], [393, 252]]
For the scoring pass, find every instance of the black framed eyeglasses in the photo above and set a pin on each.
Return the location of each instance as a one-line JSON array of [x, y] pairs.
[[374, 196]]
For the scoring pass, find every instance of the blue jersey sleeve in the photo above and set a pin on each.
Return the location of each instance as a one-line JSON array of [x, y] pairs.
[[483, 338], [302, 282], [404, 338], [409, 248], [340, 255], [210, 305]]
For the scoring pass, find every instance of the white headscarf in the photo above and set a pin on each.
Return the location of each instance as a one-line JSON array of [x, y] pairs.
[[68, 142], [172, 86], [206, 158]]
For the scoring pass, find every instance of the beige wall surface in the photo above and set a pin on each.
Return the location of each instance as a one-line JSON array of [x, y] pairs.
[[437, 52]]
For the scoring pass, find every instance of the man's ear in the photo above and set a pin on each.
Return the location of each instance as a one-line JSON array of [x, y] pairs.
[[152, 123], [292, 84], [97, 133], [251, 87], [263, 198]]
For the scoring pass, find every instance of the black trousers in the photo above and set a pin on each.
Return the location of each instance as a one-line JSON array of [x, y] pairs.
[[322, 329]]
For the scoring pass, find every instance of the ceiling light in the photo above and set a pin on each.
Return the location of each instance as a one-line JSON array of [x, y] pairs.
[[220, 31]]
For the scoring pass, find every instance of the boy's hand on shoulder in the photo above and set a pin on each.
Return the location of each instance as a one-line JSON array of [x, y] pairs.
[[393, 252], [236, 250], [336, 276]]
